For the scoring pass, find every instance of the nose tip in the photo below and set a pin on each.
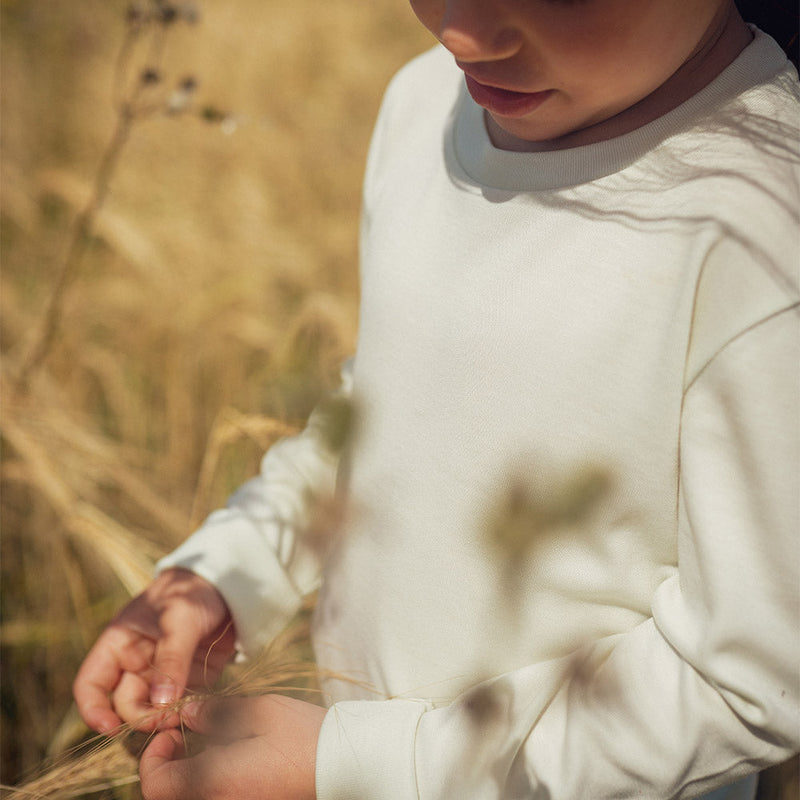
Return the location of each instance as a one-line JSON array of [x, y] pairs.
[[463, 46], [483, 46]]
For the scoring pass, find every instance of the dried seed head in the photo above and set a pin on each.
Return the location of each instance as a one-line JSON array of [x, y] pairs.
[[339, 423], [211, 114], [182, 96], [527, 512], [134, 15], [483, 705], [150, 76], [516, 523], [167, 13], [579, 496]]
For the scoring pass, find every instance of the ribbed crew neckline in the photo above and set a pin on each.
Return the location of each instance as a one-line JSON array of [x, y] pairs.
[[506, 170]]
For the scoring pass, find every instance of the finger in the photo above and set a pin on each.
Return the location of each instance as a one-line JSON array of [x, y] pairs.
[[227, 719], [175, 653], [100, 674], [218, 649], [234, 718], [163, 772], [132, 703], [211, 657]]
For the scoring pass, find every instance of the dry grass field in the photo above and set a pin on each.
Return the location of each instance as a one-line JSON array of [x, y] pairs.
[[202, 312], [167, 312]]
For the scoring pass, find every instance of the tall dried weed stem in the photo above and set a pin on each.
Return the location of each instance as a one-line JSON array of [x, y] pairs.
[[175, 296], [134, 101]]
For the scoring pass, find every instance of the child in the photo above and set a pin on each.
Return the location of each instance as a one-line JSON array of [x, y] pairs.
[[569, 564]]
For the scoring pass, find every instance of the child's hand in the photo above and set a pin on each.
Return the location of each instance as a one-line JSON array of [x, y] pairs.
[[260, 747], [177, 633]]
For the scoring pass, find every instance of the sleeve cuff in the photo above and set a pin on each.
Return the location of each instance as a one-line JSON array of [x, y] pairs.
[[261, 598], [366, 750]]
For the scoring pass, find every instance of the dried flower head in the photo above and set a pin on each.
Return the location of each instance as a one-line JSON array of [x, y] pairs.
[[526, 512], [150, 76], [166, 13], [339, 423]]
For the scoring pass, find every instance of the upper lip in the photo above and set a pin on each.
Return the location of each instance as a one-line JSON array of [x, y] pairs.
[[477, 74]]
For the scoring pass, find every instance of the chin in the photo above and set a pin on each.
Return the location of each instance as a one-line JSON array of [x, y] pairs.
[[524, 135]]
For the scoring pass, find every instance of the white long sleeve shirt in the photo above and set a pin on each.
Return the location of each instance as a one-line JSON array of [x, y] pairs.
[[570, 565]]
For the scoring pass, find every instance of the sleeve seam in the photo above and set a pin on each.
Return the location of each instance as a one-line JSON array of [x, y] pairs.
[[786, 309]]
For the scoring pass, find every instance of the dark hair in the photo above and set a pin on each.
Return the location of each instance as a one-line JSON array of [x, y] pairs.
[[779, 18]]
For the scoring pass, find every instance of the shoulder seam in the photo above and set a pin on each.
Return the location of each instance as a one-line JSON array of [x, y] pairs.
[[785, 310]]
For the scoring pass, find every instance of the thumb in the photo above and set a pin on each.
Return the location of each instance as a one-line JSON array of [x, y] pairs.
[[162, 772]]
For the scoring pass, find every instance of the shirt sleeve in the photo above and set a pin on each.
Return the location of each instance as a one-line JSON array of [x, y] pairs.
[[705, 691], [254, 550]]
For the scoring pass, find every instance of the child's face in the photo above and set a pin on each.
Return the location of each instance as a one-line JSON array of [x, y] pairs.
[[546, 68]]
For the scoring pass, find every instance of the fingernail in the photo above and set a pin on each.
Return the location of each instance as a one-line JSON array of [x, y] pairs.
[[162, 694]]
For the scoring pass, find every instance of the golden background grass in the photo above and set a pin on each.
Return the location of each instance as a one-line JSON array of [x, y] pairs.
[[216, 298]]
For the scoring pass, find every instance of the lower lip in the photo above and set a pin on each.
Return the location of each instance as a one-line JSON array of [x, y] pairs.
[[504, 102]]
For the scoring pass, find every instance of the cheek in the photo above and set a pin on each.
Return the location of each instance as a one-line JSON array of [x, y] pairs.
[[655, 36], [595, 33], [576, 43], [593, 57]]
